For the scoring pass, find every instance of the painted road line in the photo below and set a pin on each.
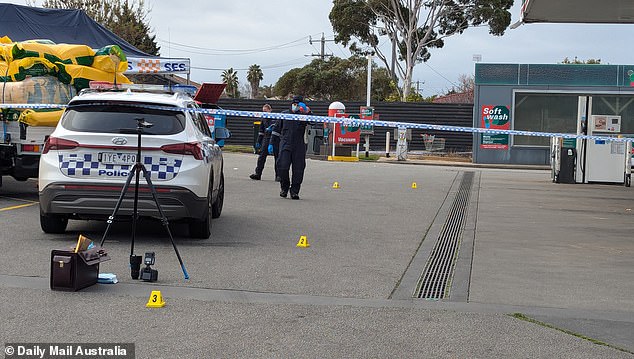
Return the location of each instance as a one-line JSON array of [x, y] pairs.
[[18, 206], [27, 204]]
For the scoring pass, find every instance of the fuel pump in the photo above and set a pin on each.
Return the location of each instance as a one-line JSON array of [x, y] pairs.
[[600, 160], [604, 158], [592, 160]]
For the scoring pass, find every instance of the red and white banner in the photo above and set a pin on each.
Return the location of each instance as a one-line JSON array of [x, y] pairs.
[[140, 65]]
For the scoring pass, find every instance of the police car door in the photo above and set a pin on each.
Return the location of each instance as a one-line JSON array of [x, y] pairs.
[[208, 144]]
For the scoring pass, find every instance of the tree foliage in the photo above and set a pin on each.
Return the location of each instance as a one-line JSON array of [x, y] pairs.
[[128, 19], [335, 79], [267, 91], [578, 62], [413, 27], [254, 76], [230, 77]]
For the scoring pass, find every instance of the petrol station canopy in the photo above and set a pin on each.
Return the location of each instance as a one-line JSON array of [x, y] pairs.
[[577, 11]]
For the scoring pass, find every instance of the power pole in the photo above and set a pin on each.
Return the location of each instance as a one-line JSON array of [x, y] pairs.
[[418, 86], [323, 40]]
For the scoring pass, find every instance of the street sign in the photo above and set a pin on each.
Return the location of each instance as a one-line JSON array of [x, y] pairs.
[[366, 113], [346, 134]]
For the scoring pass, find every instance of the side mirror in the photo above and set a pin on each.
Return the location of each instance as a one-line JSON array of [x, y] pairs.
[[221, 133]]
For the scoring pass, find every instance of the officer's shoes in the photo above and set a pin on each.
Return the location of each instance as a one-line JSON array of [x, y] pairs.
[[283, 193], [294, 195], [255, 176]]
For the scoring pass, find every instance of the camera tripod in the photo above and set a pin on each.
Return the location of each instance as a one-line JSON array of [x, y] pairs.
[[137, 169]]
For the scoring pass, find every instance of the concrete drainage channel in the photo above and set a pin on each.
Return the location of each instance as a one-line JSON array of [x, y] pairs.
[[441, 268], [434, 283]]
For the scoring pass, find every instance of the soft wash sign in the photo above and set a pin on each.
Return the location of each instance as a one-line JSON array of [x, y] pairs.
[[495, 118]]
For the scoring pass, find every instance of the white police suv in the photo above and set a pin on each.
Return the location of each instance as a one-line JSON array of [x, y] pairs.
[[87, 159]]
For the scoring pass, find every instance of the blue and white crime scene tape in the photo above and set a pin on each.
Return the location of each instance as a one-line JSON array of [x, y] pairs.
[[327, 119]]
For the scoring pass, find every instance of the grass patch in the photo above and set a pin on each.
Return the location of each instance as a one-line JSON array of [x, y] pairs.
[[523, 317], [238, 148], [369, 158]]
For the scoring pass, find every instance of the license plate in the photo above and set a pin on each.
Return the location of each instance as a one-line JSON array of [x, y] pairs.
[[117, 158]]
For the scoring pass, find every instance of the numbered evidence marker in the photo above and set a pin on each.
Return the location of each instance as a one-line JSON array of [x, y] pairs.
[[155, 300], [303, 242], [335, 185], [414, 185]]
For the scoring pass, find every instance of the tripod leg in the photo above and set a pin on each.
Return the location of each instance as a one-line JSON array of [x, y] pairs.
[[117, 206], [146, 174], [135, 211]]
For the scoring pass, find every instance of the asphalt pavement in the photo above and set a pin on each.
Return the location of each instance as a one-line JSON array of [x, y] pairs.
[[560, 254]]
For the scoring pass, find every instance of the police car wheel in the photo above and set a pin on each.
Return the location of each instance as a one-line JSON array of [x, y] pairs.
[[53, 224], [216, 208], [201, 228]]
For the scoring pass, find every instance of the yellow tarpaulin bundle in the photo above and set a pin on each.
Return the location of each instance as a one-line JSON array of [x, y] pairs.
[[5, 52], [73, 64], [75, 54], [31, 66], [110, 58], [4, 67], [80, 76], [43, 117], [68, 54]]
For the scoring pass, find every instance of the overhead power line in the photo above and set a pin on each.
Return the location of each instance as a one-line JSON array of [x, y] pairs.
[[231, 52], [273, 66]]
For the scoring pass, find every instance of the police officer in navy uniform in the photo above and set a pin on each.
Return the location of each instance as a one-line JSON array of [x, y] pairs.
[[266, 136], [292, 149]]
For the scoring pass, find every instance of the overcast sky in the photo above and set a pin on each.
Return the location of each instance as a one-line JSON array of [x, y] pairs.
[[274, 34]]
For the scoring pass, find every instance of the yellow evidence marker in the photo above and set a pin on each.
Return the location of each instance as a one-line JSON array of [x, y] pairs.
[[155, 300], [335, 185], [414, 185], [303, 242]]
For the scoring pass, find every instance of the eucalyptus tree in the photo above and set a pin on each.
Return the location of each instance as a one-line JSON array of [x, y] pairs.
[[413, 27]]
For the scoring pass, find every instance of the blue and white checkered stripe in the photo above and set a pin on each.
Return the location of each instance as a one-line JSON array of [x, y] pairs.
[[354, 122], [87, 165], [161, 170]]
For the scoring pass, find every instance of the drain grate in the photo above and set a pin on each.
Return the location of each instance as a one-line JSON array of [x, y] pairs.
[[434, 282]]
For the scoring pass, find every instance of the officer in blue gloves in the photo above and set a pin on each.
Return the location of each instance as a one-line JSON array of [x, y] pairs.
[[292, 150], [267, 143]]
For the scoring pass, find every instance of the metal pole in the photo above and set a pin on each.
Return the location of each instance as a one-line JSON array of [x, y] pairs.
[[334, 130], [323, 46], [367, 103], [369, 84]]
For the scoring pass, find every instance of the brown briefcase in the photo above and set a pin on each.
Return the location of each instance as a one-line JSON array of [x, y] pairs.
[[72, 271]]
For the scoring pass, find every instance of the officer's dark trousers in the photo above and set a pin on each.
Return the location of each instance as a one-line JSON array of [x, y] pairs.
[[296, 159], [264, 152]]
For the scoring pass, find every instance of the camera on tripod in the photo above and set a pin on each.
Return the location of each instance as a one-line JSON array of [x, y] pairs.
[[148, 274], [135, 266]]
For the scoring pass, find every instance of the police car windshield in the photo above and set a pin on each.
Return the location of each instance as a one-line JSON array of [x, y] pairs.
[[118, 118]]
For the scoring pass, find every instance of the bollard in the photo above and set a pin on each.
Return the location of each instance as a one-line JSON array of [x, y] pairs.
[[387, 144]]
